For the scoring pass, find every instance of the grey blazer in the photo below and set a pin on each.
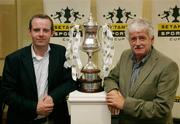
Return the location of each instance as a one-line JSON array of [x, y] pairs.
[[150, 100]]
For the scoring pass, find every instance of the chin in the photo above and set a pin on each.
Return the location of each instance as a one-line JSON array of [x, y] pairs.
[[138, 53], [41, 44]]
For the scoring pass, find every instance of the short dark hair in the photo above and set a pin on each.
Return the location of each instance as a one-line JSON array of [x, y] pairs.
[[41, 16]]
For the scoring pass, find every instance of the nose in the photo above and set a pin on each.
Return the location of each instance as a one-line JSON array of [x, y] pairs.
[[41, 33], [138, 41]]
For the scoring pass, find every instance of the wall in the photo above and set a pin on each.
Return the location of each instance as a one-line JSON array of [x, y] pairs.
[[14, 17], [8, 33], [20, 11]]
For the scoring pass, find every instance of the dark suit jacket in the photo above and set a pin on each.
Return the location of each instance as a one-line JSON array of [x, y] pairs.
[[1, 103], [150, 100], [19, 85]]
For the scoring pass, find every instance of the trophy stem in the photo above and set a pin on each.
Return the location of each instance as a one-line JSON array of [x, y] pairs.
[[90, 54]]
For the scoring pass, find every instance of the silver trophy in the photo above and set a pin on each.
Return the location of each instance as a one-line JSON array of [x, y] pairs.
[[88, 76], [90, 80]]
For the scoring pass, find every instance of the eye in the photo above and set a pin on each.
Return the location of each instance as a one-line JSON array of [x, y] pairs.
[[132, 39], [142, 38], [36, 29], [46, 30]]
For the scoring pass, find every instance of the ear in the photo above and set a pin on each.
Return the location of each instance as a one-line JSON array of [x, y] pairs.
[[52, 33], [152, 39]]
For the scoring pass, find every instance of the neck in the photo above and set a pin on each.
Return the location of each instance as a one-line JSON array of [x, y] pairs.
[[40, 51], [138, 59]]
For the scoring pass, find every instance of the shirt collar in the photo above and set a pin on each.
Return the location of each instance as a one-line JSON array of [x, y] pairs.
[[34, 56]]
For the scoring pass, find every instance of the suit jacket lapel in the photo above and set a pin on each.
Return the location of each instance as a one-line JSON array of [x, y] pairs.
[[148, 67], [53, 62], [128, 72], [28, 65]]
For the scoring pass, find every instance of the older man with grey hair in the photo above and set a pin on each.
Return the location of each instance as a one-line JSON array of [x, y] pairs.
[[141, 88]]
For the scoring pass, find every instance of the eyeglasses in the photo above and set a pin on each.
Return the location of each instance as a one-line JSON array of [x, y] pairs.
[[137, 38]]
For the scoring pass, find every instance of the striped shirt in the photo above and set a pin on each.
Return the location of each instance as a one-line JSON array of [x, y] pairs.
[[41, 65]]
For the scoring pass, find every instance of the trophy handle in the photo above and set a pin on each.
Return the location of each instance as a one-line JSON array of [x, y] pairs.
[[98, 36], [83, 36]]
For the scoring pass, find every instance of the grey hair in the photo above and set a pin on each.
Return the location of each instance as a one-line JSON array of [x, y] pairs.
[[138, 25]]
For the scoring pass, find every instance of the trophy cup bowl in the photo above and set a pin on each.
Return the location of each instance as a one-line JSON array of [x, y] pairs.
[[90, 80]]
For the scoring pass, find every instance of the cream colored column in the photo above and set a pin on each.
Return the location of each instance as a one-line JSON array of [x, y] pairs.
[[88, 108], [147, 9]]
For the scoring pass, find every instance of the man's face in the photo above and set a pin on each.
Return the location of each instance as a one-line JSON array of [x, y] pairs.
[[41, 32], [140, 43]]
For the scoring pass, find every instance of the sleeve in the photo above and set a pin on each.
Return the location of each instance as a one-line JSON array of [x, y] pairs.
[[63, 90], [111, 82], [63, 78], [10, 89]]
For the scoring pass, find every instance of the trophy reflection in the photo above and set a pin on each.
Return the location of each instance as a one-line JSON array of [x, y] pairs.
[[90, 80]]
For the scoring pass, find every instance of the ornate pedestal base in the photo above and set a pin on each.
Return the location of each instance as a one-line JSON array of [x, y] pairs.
[[88, 108], [90, 82]]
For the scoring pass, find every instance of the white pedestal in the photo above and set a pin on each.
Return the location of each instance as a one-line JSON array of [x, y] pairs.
[[88, 108]]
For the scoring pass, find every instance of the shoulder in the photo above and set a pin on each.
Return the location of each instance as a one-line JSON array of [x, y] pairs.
[[57, 51], [163, 59], [126, 53], [161, 56], [57, 47], [20, 52], [125, 56]]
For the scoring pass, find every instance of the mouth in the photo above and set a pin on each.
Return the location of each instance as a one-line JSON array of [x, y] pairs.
[[138, 47], [40, 40]]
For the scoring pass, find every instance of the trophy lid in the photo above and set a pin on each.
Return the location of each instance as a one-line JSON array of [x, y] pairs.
[[90, 21]]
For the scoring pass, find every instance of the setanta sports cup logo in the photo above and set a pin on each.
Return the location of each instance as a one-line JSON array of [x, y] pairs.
[[118, 19], [171, 23], [64, 19]]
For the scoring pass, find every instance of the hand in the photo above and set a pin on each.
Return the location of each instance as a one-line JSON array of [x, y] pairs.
[[115, 99], [45, 106], [113, 110], [48, 100]]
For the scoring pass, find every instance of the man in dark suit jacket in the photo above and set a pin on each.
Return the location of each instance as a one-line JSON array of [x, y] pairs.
[[35, 82]]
